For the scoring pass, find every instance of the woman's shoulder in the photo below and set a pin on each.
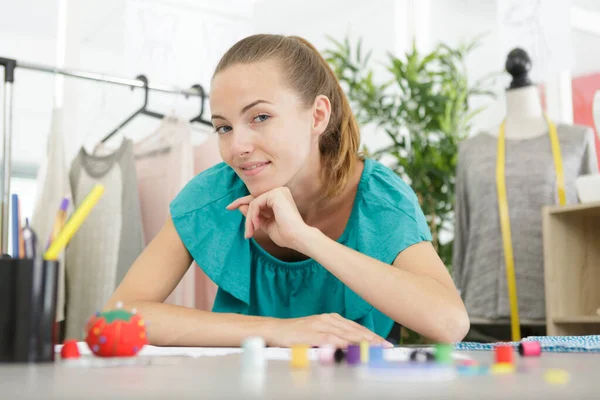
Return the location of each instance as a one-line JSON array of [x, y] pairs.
[[389, 217], [217, 183], [381, 186]]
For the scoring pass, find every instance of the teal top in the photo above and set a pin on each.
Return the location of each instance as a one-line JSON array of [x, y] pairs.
[[386, 218]]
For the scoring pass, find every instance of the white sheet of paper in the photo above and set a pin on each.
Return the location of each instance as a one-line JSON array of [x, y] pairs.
[[271, 353]]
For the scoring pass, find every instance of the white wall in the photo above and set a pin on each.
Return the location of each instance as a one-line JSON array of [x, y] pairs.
[[28, 31], [457, 20], [179, 42], [374, 21], [171, 42]]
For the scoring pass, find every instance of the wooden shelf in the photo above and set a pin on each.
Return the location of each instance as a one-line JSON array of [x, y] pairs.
[[583, 319], [580, 209], [572, 268]]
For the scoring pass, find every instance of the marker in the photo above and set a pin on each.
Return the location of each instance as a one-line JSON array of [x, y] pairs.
[[29, 240], [74, 223]]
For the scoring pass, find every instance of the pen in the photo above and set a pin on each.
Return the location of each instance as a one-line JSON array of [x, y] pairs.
[[15, 225], [74, 223]]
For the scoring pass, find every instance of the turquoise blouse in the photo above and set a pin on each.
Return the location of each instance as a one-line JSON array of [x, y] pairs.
[[386, 218]]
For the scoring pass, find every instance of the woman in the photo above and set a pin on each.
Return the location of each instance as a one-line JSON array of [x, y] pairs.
[[308, 242]]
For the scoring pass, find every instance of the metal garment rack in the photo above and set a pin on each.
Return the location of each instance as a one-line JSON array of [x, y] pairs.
[[10, 65]]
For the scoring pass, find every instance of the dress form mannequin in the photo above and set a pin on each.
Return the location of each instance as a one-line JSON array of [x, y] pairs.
[[479, 267], [524, 113]]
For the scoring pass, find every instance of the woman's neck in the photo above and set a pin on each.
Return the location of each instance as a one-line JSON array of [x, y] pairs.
[[308, 190], [310, 193]]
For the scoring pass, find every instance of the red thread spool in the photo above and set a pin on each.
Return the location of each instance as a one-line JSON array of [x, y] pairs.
[[504, 354], [530, 349]]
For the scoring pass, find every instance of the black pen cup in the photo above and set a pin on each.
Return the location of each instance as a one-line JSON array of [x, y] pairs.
[[28, 293]]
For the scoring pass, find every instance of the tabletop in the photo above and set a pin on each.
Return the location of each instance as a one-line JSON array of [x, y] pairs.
[[177, 377]]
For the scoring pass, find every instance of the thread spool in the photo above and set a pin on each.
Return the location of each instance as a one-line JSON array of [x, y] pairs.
[[339, 355], [299, 356], [326, 354], [353, 354], [504, 354], [364, 352], [253, 353], [375, 354], [530, 349]]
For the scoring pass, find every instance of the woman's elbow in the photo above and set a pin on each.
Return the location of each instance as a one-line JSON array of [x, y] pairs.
[[455, 329]]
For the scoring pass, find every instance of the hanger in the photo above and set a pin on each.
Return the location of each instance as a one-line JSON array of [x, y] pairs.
[[199, 118], [142, 110]]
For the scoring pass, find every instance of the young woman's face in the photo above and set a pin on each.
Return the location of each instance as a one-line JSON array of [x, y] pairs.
[[265, 132]]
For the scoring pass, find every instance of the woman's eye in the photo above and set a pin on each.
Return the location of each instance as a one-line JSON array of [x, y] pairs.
[[261, 118], [222, 129]]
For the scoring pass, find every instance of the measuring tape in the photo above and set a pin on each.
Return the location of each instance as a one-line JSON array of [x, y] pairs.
[[505, 220]]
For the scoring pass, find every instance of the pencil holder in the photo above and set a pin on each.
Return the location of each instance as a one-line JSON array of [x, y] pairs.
[[28, 291]]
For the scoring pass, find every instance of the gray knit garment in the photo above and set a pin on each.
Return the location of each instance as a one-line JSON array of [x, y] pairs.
[[479, 267], [110, 239]]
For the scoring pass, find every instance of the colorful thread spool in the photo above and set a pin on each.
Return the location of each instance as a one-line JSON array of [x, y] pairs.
[[375, 354], [253, 356], [339, 355], [353, 354], [421, 356], [299, 356], [70, 349], [530, 349], [326, 354], [443, 353], [504, 354], [364, 352]]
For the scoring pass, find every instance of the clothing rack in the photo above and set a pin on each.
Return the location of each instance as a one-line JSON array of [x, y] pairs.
[[9, 78]]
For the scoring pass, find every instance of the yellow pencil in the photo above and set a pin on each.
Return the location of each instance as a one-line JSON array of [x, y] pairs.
[[73, 224]]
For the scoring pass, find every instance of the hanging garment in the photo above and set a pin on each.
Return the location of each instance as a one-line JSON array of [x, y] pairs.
[[478, 259], [110, 239], [52, 186], [164, 164], [206, 155]]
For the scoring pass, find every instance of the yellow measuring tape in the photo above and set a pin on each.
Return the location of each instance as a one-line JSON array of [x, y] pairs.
[[505, 220]]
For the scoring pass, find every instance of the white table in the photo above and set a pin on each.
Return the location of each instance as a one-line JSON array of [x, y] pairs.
[[176, 377]]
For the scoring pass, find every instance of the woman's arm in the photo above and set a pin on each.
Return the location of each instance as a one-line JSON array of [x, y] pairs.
[[158, 270], [152, 278], [417, 291]]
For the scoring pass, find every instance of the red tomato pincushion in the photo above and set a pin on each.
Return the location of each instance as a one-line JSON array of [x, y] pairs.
[[116, 333]]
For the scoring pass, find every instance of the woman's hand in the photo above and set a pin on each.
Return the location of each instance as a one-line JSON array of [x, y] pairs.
[[317, 330], [274, 212]]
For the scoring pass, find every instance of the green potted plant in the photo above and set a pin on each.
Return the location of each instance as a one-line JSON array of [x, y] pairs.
[[423, 107]]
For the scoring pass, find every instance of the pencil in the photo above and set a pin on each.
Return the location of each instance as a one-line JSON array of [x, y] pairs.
[[74, 223], [59, 221]]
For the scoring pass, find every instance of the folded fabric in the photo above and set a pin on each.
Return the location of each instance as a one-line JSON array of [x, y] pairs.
[[555, 344]]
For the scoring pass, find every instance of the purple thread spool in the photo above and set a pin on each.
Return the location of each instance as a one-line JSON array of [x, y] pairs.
[[353, 354]]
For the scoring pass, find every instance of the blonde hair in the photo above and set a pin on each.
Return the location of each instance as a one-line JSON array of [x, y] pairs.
[[307, 72]]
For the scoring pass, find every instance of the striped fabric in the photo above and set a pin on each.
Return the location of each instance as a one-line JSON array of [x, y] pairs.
[[553, 344]]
